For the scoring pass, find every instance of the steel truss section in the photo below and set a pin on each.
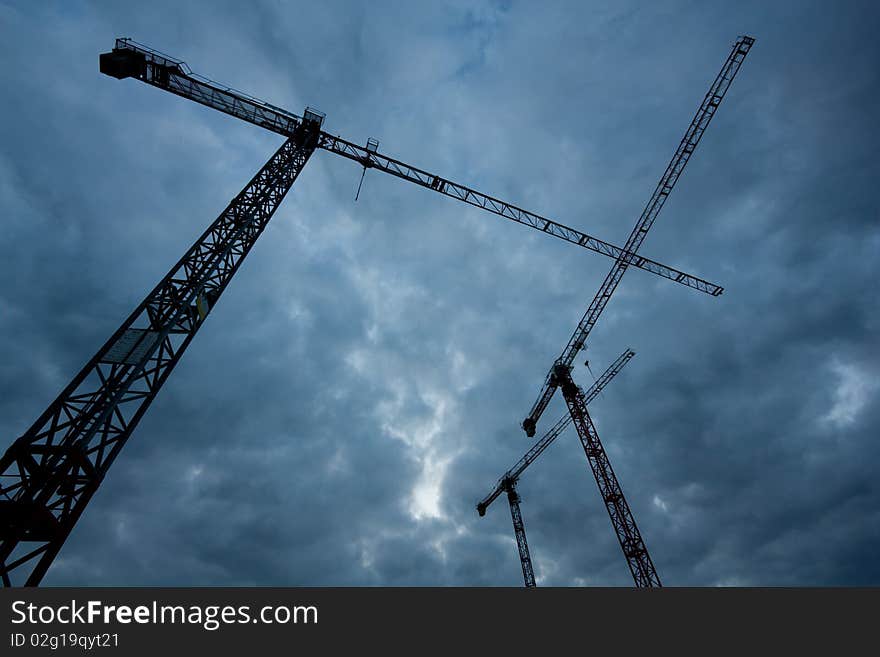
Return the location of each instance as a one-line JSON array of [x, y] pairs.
[[519, 529], [49, 474], [682, 155], [634, 549], [132, 59], [514, 473]]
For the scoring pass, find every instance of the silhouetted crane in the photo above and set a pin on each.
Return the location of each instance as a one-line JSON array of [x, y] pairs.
[[639, 561], [509, 479], [519, 530], [50, 473], [514, 473]]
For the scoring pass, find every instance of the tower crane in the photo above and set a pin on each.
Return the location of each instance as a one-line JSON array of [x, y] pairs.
[[634, 549], [49, 473], [53, 470], [514, 473], [131, 59], [508, 481], [629, 254]]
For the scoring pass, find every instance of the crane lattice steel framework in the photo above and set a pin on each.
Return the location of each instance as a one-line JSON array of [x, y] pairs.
[[49, 473], [625, 528], [514, 473], [629, 255], [507, 482]]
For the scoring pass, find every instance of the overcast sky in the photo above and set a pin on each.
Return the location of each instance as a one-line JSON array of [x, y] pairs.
[[361, 383]]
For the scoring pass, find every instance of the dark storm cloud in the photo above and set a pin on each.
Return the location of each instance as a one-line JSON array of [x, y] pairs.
[[360, 385]]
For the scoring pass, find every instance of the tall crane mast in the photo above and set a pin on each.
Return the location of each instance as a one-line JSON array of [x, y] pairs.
[[682, 155], [508, 481], [519, 530], [628, 535], [638, 559], [50, 473], [514, 473]]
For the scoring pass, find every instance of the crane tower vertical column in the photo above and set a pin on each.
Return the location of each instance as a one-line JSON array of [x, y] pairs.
[[637, 558], [519, 529], [49, 474]]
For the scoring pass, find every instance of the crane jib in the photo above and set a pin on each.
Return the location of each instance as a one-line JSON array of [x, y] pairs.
[[501, 208], [131, 59], [514, 473]]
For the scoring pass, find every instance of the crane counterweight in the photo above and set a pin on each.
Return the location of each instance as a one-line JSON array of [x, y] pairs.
[[122, 63]]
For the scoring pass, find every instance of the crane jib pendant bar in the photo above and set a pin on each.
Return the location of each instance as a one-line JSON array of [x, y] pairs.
[[519, 530]]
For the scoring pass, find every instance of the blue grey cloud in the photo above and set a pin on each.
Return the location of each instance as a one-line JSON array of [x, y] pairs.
[[360, 385]]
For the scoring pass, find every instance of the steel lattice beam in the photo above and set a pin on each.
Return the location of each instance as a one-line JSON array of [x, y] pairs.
[[519, 530], [49, 474], [514, 473], [501, 208], [131, 59], [637, 558], [682, 155]]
